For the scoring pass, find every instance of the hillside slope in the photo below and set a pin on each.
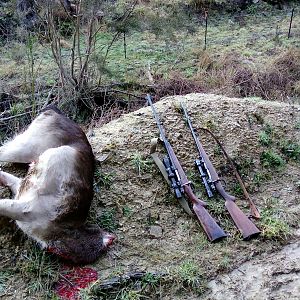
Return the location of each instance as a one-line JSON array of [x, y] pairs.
[[261, 137], [155, 235]]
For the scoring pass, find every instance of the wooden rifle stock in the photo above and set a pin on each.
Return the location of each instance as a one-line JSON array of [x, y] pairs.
[[213, 231], [243, 223]]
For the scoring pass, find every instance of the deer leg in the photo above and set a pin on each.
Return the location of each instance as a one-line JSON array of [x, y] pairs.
[[16, 210], [29, 145], [10, 181]]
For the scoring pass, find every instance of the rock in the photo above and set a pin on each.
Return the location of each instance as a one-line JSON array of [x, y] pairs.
[[155, 231]]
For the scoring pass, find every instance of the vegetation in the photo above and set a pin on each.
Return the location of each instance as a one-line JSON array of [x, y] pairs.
[[107, 220], [273, 223], [98, 63]]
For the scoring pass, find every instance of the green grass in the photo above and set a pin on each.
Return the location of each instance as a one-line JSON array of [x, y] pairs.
[[266, 135], [190, 275], [140, 163], [224, 263], [107, 220], [41, 269], [270, 159], [216, 205], [176, 50], [261, 177], [290, 149], [103, 179], [4, 279], [273, 223], [134, 289], [265, 138]]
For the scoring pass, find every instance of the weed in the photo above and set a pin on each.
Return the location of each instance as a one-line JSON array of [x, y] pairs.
[[228, 226], [272, 224], [200, 240], [244, 165], [129, 294], [151, 280], [261, 177], [17, 108], [190, 275], [41, 268], [216, 205], [107, 220], [17, 52], [4, 277], [127, 211], [290, 149], [103, 179], [237, 190], [264, 138], [225, 262], [140, 163], [30, 49], [270, 159]]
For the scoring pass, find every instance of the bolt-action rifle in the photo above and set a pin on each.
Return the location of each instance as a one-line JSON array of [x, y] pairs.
[[212, 182], [182, 186]]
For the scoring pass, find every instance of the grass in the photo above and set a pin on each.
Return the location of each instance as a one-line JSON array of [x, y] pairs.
[[264, 138], [141, 165], [103, 179], [181, 56], [107, 220], [216, 205], [270, 159], [290, 149], [261, 177], [181, 51], [130, 289], [4, 279], [190, 275], [40, 268], [273, 223]]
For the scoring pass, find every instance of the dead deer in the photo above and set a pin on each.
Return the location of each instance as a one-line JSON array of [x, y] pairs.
[[52, 202]]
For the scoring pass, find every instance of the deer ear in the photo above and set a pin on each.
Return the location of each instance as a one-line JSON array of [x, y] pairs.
[[108, 239]]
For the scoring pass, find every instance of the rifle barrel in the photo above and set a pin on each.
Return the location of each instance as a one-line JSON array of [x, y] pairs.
[[213, 231], [245, 226]]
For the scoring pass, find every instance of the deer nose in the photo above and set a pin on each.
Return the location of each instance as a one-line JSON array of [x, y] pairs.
[[108, 239]]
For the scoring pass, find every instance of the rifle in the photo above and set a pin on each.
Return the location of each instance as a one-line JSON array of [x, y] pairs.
[[211, 180], [182, 186]]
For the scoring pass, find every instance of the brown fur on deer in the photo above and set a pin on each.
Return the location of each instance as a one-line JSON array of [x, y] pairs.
[[52, 202]]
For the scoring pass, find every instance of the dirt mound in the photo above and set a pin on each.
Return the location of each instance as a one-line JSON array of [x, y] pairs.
[[256, 135]]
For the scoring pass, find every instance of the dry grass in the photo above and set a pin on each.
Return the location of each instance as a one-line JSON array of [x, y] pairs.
[[234, 76]]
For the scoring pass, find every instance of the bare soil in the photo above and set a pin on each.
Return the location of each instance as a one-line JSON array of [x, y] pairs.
[[270, 276], [136, 193]]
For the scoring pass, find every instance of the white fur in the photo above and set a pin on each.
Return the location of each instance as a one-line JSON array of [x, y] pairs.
[[38, 199]]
